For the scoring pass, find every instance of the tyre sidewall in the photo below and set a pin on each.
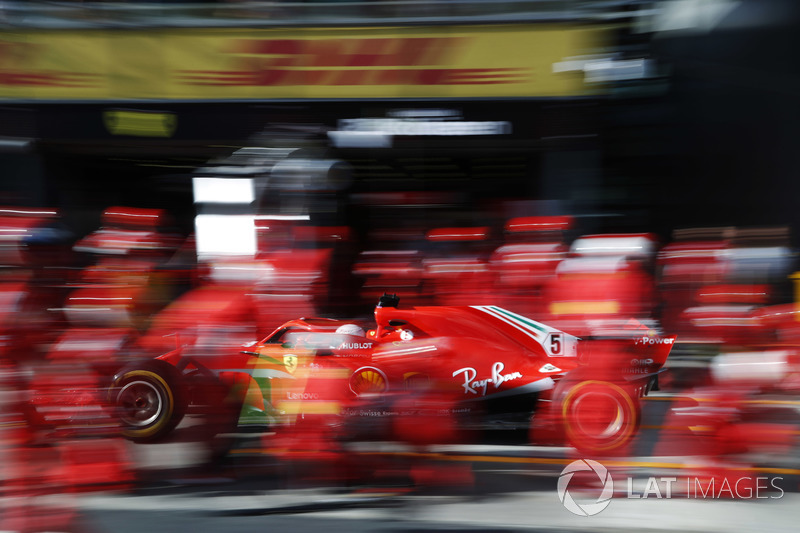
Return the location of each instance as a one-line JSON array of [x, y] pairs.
[[627, 406], [164, 379]]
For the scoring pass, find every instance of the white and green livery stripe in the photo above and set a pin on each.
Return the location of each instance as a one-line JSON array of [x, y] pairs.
[[531, 328]]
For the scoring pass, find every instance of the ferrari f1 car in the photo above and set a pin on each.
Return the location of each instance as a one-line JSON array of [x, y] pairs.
[[475, 366]]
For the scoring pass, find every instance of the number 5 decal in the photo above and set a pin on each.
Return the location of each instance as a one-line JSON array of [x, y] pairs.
[[555, 344]]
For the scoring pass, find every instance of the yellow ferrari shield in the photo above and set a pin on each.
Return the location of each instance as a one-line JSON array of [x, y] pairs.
[[290, 362]]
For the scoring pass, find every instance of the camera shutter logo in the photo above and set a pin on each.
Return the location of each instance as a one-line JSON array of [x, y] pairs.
[[585, 509]]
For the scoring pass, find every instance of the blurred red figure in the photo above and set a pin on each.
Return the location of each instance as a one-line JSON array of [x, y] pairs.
[[719, 286], [62, 436], [527, 261], [605, 281], [105, 313], [693, 260], [729, 315], [36, 259], [780, 323], [396, 248], [33, 280], [456, 269], [738, 420], [107, 310], [309, 277], [294, 273], [394, 264]]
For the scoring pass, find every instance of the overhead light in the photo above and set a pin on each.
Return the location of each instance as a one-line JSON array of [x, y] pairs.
[[360, 139], [15, 144], [223, 190], [225, 235]]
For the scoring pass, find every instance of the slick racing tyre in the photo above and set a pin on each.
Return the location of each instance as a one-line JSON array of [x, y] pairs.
[[599, 417], [149, 400]]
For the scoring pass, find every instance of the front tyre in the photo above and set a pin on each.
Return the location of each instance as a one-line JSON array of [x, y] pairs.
[[148, 400], [599, 417]]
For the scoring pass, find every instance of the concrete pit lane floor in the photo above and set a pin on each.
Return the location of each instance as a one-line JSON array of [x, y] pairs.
[[188, 484]]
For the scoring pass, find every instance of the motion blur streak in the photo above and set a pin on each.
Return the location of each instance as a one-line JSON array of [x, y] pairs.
[[308, 256]]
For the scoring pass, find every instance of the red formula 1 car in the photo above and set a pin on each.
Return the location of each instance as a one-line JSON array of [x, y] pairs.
[[473, 366]]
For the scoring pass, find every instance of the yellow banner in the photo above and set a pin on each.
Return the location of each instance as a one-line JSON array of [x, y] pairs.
[[313, 63]]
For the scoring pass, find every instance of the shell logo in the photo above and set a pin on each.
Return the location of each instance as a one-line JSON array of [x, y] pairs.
[[368, 380]]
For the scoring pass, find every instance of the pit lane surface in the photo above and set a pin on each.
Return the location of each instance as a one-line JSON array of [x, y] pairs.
[[316, 510], [183, 486]]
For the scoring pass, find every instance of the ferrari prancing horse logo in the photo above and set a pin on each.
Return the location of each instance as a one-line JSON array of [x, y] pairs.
[[290, 362]]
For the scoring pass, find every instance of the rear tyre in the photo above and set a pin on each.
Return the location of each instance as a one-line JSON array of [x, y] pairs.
[[599, 417], [149, 400]]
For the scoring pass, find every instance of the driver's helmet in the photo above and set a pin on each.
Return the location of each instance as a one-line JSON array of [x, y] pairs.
[[351, 329]]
